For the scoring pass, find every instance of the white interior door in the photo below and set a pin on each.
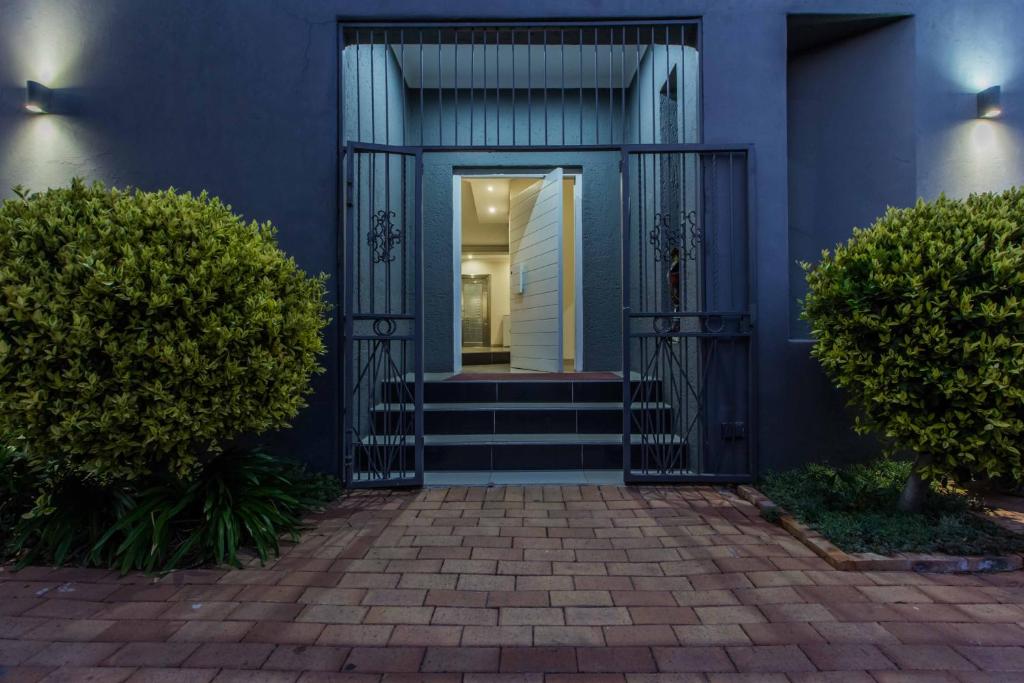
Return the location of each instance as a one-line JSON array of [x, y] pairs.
[[535, 250]]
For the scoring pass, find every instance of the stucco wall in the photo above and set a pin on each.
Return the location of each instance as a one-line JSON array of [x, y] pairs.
[[241, 99], [851, 143]]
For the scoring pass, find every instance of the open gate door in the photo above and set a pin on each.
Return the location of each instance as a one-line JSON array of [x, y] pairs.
[[382, 343], [687, 327], [535, 249]]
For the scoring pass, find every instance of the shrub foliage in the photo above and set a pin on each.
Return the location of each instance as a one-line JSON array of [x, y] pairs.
[[239, 500], [141, 330], [920, 318], [857, 508]]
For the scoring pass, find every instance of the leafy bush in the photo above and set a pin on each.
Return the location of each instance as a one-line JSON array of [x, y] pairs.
[[240, 500], [141, 330], [18, 488], [857, 508], [920, 318]]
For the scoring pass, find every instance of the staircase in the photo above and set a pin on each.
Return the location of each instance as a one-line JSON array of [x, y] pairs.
[[519, 423]]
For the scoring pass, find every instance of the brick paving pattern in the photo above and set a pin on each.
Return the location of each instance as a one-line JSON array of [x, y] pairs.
[[519, 584]]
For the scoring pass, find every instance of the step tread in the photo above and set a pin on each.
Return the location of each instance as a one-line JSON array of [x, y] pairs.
[[490, 406], [531, 439]]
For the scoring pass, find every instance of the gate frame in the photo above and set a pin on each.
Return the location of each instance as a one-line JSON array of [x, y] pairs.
[[347, 294], [628, 477]]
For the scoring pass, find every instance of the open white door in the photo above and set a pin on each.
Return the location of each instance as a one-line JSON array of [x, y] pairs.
[[535, 250]]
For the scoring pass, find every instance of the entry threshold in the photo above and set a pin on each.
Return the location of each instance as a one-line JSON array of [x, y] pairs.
[[524, 478]]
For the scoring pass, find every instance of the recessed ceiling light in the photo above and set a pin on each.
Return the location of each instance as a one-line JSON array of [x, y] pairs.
[[490, 188], [491, 209], [470, 257]]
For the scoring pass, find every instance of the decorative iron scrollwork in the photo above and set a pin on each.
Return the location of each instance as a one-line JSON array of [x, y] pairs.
[[668, 239], [383, 237], [384, 327]]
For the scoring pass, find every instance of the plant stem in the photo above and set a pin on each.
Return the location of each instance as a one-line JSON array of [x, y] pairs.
[[912, 498]]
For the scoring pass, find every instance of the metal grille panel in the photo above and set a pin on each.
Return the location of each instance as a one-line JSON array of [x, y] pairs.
[[521, 85], [687, 324], [383, 324]]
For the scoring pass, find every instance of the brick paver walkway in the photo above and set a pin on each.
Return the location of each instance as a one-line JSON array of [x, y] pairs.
[[595, 584]]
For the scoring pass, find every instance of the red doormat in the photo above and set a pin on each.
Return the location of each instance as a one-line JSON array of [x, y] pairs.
[[534, 377]]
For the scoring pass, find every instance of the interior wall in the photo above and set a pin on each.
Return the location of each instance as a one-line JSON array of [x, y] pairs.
[[852, 148]]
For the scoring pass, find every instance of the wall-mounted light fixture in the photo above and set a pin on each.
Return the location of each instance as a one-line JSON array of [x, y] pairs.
[[38, 98], [989, 103]]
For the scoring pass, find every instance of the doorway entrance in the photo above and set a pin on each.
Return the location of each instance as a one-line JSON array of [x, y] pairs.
[[521, 233]]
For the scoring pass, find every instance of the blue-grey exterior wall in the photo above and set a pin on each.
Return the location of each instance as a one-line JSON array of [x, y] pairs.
[[241, 99]]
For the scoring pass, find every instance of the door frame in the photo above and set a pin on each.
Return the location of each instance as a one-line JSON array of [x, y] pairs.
[[577, 245]]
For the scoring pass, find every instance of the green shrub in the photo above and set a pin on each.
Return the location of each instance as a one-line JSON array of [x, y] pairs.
[[18, 488], [920, 319], [139, 331], [240, 500], [857, 508]]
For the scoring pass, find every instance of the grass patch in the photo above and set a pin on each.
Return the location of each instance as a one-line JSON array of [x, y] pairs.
[[855, 507]]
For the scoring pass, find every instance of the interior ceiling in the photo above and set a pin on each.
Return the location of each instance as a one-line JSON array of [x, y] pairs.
[[463, 66], [808, 32], [480, 227]]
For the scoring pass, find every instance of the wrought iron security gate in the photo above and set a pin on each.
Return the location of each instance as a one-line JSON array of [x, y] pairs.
[[383, 322], [687, 318]]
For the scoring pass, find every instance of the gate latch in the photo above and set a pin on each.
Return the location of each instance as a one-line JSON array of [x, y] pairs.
[[734, 431]]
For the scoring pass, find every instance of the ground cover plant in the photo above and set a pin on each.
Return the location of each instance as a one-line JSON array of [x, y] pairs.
[[141, 335], [857, 508], [919, 319]]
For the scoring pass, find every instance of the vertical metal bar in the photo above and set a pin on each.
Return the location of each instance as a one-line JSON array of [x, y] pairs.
[[581, 85], [626, 276], [484, 90], [639, 97], [373, 93], [529, 89], [514, 117], [455, 86], [622, 77], [561, 42], [348, 354], [358, 89], [611, 91], [472, 87], [405, 103], [340, 291], [545, 34], [440, 95], [668, 84], [497, 86], [418, 325], [683, 137], [422, 89], [597, 106], [654, 96], [387, 89]]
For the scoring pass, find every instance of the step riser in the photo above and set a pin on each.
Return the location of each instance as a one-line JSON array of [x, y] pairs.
[[520, 392], [532, 457], [516, 421]]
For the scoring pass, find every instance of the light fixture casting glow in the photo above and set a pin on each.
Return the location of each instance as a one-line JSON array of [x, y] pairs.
[[490, 188], [491, 209], [989, 103], [37, 97], [470, 257]]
